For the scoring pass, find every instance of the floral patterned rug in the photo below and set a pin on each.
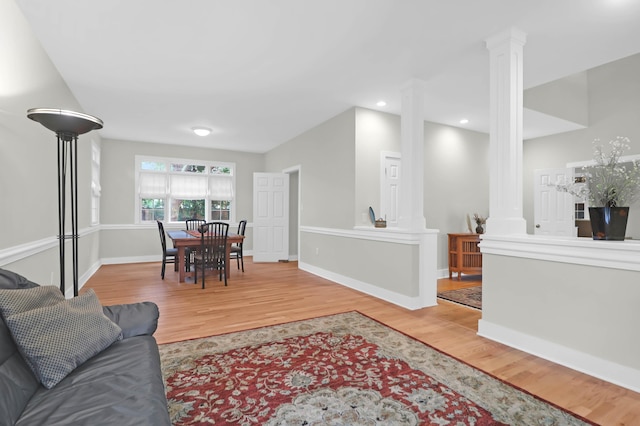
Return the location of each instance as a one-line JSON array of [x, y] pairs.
[[469, 296], [343, 369]]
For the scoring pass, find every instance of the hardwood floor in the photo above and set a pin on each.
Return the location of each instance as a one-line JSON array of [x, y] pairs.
[[276, 293]]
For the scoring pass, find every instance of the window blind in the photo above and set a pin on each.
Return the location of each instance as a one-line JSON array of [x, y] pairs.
[[153, 185]]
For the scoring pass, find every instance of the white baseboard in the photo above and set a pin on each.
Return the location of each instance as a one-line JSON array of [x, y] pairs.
[[597, 367], [131, 259], [401, 300]]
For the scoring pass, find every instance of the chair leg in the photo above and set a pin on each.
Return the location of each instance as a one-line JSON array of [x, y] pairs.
[[242, 260], [164, 261], [226, 271]]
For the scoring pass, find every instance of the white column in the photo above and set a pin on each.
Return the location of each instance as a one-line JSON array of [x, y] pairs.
[[505, 149], [411, 208]]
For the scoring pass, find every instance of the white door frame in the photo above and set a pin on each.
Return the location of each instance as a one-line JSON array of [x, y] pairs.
[[290, 170]]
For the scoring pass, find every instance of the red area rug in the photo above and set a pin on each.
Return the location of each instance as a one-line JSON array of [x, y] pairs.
[[344, 369]]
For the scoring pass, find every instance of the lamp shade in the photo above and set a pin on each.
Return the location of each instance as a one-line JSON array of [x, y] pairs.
[[63, 121]]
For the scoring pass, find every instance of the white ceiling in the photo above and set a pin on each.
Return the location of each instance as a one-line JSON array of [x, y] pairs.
[[260, 72]]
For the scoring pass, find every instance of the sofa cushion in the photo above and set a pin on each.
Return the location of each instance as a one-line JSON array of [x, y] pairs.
[[135, 319], [17, 381], [122, 385], [10, 279], [57, 338]]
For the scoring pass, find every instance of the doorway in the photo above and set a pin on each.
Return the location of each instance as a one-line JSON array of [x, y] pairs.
[[294, 211]]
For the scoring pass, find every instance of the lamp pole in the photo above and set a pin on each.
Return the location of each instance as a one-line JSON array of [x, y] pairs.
[[67, 125]]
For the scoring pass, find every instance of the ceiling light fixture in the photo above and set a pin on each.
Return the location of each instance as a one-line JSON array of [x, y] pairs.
[[464, 121], [201, 131], [381, 103]]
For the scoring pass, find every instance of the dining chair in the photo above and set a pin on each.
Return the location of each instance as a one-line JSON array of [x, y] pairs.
[[236, 248], [194, 224], [191, 225], [212, 252], [169, 255]]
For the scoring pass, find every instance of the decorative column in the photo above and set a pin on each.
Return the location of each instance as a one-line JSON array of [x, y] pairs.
[[505, 149], [411, 208]]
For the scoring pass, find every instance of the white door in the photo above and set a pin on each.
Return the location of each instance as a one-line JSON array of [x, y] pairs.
[[390, 188], [553, 210], [270, 217]]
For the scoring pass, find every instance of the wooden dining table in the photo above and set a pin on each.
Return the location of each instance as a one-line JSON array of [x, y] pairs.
[[183, 239]]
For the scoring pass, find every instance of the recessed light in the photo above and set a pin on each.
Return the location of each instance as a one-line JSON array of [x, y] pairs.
[[201, 131], [464, 121], [381, 103]]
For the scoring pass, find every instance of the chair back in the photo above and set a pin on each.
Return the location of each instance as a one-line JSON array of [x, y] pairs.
[[163, 237], [194, 224], [242, 226], [213, 243]]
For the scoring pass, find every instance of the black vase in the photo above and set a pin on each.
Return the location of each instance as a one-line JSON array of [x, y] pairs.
[[608, 223]]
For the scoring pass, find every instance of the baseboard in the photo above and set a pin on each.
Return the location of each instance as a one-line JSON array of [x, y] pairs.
[[442, 273], [597, 367], [401, 300]]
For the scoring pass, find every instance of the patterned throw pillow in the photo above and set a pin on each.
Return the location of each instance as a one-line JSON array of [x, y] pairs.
[[16, 301], [55, 338]]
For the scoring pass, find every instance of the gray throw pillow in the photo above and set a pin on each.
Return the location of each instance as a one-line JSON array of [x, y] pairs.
[[16, 301], [57, 338]]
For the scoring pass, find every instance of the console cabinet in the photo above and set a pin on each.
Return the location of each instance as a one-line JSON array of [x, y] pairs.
[[464, 254]]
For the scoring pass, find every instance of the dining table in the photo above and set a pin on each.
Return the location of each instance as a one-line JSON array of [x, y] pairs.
[[183, 239]]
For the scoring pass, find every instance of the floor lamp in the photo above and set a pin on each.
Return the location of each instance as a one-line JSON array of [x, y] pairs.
[[67, 125]]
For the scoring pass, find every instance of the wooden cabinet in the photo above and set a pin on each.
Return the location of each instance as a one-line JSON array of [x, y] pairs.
[[464, 254]]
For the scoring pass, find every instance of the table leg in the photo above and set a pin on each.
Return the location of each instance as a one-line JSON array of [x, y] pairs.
[[227, 259], [181, 264]]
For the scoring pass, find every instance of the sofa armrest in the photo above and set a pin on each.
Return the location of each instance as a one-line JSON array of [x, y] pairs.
[[134, 319]]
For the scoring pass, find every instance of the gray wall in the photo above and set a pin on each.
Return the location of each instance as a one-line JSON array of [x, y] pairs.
[[326, 157], [375, 132], [118, 193], [456, 181], [592, 310], [28, 165], [614, 110], [346, 173]]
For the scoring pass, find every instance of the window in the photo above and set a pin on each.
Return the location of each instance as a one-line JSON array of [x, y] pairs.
[[95, 183], [580, 205], [174, 190]]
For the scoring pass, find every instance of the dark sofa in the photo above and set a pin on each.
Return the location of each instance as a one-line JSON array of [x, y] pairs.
[[121, 385]]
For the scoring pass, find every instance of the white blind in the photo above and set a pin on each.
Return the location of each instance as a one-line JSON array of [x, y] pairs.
[[153, 185], [221, 188], [188, 187]]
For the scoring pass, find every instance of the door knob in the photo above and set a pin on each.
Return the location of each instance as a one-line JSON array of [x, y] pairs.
[[538, 225]]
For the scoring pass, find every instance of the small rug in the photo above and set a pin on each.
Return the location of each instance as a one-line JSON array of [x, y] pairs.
[[469, 296], [344, 369]]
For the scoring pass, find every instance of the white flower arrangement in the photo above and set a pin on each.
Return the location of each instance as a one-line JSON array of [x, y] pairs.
[[610, 182]]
